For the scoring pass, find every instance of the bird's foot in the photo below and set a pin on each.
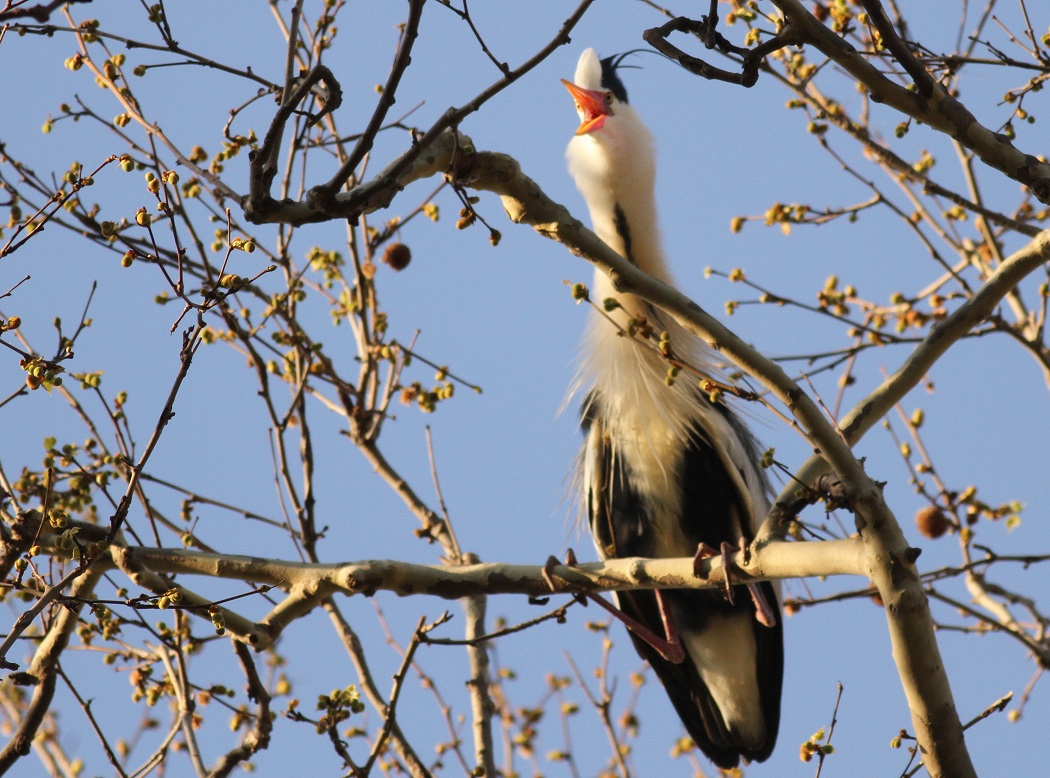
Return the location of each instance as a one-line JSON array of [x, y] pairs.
[[764, 613], [745, 549], [549, 576], [704, 551]]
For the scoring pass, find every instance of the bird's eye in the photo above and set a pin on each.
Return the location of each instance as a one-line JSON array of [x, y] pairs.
[[608, 98]]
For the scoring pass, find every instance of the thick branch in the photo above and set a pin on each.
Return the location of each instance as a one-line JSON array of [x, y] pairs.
[[775, 561], [705, 30], [263, 167], [939, 109], [321, 204], [126, 560], [418, 162], [386, 99], [480, 678], [941, 337], [526, 203], [924, 82]]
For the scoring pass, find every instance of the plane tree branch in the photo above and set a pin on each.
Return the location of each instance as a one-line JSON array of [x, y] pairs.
[[323, 203], [873, 407], [706, 30], [938, 109], [314, 582], [42, 671], [924, 100]]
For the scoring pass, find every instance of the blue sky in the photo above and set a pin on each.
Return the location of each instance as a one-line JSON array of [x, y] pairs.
[[503, 318]]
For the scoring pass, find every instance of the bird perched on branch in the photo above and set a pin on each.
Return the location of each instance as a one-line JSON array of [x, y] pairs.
[[665, 469]]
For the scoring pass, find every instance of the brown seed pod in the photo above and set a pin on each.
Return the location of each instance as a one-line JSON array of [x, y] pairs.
[[932, 522], [397, 255]]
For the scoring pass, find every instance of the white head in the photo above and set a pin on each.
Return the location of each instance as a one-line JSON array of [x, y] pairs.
[[612, 151], [613, 162], [608, 125]]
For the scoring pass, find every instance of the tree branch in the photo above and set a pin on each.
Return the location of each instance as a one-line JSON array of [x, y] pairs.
[[44, 669], [321, 204], [942, 336], [938, 109], [775, 561]]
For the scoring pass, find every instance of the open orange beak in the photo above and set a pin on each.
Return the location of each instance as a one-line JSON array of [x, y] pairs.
[[591, 105]]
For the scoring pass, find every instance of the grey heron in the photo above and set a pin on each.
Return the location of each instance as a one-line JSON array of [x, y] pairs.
[[665, 469]]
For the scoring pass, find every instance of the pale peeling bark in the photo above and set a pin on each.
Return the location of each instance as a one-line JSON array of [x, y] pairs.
[[304, 582]]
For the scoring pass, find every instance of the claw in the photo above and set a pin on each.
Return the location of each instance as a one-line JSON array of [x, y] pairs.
[[745, 549], [548, 572], [703, 551], [727, 567]]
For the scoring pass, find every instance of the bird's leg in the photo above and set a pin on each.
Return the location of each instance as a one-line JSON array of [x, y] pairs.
[[764, 613], [669, 647]]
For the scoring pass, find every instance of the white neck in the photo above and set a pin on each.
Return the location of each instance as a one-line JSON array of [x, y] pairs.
[[615, 171]]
